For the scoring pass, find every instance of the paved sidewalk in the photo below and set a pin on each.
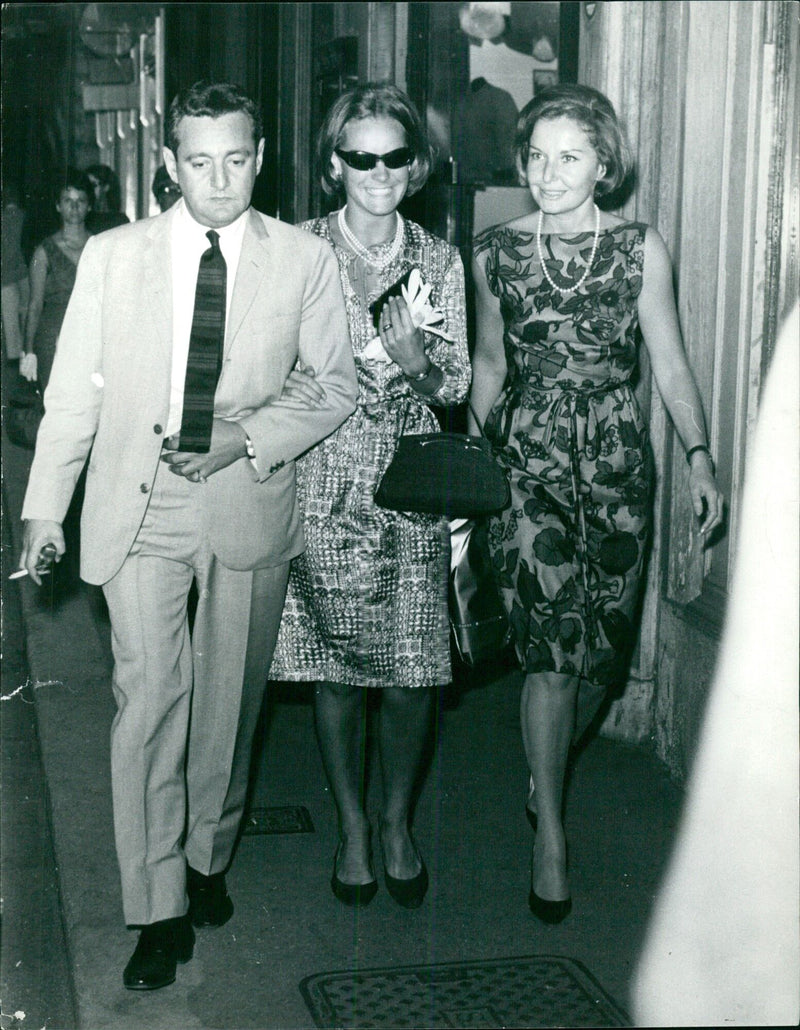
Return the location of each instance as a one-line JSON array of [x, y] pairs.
[[470, 825]]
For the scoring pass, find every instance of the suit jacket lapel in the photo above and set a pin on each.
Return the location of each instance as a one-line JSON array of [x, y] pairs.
[[158, 277], [253, 265]]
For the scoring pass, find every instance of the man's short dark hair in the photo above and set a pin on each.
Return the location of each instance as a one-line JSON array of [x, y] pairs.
[[210, 100]]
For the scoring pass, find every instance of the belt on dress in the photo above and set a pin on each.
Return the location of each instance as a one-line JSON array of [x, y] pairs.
[[563, 413]]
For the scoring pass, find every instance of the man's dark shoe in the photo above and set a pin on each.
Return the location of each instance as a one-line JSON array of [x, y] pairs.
[[209, 903], [161, 945]]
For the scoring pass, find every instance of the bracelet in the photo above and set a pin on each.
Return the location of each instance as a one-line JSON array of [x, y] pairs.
[[422, 376], [699, 447]]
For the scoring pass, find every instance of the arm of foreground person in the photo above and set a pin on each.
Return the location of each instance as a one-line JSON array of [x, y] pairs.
[[723, 946]]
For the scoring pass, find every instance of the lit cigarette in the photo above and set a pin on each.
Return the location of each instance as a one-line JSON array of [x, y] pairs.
[[24, 572]]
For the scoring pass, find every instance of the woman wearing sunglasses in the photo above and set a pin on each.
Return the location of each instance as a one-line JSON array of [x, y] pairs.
[[367, 602]]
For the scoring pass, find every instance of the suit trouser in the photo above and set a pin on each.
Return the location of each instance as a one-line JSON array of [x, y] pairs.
[[187, 709]]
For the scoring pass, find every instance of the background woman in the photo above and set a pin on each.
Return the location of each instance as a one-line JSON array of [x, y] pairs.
[[367, 602], [106, 210], [560, 294], [52, 277]]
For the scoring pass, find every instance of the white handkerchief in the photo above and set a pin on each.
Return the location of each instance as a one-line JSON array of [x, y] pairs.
[[375, 350]]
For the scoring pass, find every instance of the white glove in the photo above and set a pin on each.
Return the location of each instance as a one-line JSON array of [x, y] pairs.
[[28, 366]]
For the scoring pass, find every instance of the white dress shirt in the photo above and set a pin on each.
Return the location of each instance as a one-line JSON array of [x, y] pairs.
[[188, 242]]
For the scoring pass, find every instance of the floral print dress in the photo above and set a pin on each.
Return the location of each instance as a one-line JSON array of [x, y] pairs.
[[367, 600], [570, 548]]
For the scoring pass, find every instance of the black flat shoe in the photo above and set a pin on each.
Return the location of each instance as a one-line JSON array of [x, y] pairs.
[[409, 893], [160, 947], [356, 895], [209, 902], [551, 912]]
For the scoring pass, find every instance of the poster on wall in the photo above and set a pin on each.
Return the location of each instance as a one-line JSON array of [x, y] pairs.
[[513, 53]]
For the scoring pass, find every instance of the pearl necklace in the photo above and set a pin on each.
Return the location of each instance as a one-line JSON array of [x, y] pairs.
[[355, 244], [585, 276]]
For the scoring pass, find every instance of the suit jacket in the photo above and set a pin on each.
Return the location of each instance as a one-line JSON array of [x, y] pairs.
[[109, 390]]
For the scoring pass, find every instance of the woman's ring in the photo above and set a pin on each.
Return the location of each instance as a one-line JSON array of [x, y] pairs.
[[387, 325]]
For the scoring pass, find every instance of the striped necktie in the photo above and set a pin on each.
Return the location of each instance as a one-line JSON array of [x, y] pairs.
[[205, 350]]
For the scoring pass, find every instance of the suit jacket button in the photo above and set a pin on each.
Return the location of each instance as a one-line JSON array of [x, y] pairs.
[[144, 488], [157, 429]]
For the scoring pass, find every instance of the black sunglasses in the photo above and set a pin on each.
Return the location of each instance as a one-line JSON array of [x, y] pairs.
[[363, 161]]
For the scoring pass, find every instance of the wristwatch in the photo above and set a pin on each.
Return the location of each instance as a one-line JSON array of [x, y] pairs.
[[250, 449], [421, 376]]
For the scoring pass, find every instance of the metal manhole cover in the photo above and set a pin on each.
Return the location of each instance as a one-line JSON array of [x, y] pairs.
[[534, 991], [281, 819]]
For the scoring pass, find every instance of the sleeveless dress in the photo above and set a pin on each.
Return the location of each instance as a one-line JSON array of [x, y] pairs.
[[569, 550], [58, 286], [367, 600]]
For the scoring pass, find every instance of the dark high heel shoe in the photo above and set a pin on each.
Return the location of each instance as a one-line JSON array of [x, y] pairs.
[[357, 895], [409, 893], [551, 912]]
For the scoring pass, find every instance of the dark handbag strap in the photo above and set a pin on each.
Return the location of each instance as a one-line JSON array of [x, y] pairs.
[[469, 405], [478, 422]]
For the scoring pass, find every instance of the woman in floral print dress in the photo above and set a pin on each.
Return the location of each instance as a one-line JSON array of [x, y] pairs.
[[561, 295], [367, 601]]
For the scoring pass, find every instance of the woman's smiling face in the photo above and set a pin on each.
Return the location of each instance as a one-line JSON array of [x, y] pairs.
[[563, 168], [378, 191]]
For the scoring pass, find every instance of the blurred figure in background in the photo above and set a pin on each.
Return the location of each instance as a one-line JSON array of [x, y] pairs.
[[106, 210], [52, 276], [725, 926], [165, 190], [14, 274]]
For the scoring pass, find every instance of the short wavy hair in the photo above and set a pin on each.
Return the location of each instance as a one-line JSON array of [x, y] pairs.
[[72, 179], [107, 177], [595, 114], [373, 100], [210, 100]]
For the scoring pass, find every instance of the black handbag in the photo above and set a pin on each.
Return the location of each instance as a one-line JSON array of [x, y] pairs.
[[478, 617], [451, 474], [24, 411]]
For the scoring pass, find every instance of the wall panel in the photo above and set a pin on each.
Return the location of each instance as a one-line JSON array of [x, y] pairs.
[[706, 91]]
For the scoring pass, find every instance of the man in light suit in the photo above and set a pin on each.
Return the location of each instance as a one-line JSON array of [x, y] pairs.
[[157, 516]]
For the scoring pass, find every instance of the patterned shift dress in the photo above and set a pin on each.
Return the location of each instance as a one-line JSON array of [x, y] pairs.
[[569, 550], [367, 600]]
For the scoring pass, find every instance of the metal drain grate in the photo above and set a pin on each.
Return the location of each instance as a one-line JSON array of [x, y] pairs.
[[283, 819], [534, 991]]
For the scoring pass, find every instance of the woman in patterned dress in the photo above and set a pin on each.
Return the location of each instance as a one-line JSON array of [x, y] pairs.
[[560, 295], [367, 601]]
